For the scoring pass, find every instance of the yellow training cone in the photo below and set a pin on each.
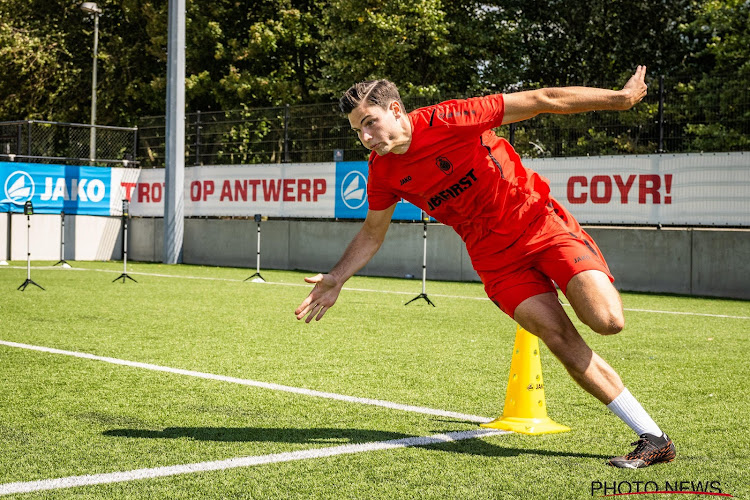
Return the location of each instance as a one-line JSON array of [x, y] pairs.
[[525, 409]]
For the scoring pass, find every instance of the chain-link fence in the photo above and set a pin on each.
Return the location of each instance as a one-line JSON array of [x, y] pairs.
[[67, 143], [304, 133], [675, 117]]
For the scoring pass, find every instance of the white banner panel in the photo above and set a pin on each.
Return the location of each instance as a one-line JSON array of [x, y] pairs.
[[123, 183], [275, 190], [687, 189]]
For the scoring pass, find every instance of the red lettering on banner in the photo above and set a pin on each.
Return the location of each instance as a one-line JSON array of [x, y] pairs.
[[195, 191], [319, 187], [624, 187], [649, 185], [156, 190], [254, 184], [572, 197], [600, 188], [226, 191], [208, 189], [149, 193], [240, 190], [144, 192], [128, 189], [595, 196], [289, 189], [201, 190], [271, 190], [303, 188]]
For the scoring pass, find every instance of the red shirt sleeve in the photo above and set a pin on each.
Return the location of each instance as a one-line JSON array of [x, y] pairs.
[[476, 115], [379, 196]]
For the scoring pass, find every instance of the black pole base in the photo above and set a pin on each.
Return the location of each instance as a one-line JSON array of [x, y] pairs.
[[421, 296], [123, 277], [63, 262], [28, 282], [256, 275]]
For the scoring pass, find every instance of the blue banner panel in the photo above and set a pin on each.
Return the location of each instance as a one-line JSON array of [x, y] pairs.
[[351, 194], [52, 189]]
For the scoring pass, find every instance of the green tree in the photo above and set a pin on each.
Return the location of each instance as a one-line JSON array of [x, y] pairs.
[[715, 103], [405, 41]]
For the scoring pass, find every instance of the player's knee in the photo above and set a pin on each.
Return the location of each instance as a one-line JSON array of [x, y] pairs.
[[609, 324]]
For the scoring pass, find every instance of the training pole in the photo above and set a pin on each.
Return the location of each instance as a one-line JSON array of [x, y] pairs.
[[125, 216], [423, 295], [62, 242], [28, 210], [257, 278]]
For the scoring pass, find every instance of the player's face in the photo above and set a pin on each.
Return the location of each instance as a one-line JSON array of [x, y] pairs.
[[380, 130]]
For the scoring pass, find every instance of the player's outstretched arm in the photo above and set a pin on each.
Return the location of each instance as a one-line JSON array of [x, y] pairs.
[[566, 100], [359, 252]]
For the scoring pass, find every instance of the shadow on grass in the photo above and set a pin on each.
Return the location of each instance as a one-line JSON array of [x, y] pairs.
[[333, 437], [261, 434]]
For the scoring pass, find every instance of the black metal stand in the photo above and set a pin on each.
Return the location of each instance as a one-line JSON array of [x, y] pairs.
[[28, 281], [423, 295], [62, 242], [257, 278], [124, 274]]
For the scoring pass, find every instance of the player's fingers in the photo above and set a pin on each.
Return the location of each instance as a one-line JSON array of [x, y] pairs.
[[314, 279], [321, 313], [311, 312], [303, 307]]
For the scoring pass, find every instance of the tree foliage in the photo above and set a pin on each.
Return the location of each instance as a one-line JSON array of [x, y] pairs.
[[256, 53]]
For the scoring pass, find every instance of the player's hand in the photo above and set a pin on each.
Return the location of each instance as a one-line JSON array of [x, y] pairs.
[[321, 298], [635, 88]]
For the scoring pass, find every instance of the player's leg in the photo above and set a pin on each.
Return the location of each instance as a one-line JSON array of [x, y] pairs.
[[575, 262], [596, 302], [543, 316]]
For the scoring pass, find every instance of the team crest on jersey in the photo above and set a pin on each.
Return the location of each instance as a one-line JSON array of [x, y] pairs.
[[444, 165]]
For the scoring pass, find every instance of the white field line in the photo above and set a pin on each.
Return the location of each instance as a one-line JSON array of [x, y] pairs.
[[255, 383], [305, 285], [233, 463]]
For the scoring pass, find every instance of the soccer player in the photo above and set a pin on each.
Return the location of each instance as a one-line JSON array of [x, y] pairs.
[[446, 160]]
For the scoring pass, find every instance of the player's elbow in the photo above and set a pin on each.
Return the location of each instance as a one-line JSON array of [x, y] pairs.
[[548, 100]]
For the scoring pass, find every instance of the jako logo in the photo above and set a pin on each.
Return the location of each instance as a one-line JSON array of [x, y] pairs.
[[353, 191], [19, 187]]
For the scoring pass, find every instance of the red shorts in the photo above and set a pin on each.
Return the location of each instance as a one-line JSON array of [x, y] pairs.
[[553, 248]]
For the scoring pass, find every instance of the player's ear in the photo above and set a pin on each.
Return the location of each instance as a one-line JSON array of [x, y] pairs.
[[396, 108]]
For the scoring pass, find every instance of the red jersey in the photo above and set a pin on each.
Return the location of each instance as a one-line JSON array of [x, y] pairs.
[[459, 172]]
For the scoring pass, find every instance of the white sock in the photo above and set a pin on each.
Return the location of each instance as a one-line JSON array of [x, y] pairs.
[[632, 413]]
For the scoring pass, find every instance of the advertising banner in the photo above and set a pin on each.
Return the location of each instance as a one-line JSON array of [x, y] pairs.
[[686, 189], [56, 188], [275, 190], [351, 194], [316, 190]]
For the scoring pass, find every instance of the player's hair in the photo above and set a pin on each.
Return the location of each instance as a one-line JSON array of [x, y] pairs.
[[376, 92]]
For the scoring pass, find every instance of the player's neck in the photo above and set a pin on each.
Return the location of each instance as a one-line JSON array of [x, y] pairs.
[[402, 143]]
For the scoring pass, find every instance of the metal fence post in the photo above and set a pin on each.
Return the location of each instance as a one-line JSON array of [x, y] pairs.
[[197, 137], [287, 159], [661, 114], [19, 140], [135, 145], [28, 138]]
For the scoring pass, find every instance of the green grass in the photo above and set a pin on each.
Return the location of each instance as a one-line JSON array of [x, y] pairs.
[[63, 416]]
